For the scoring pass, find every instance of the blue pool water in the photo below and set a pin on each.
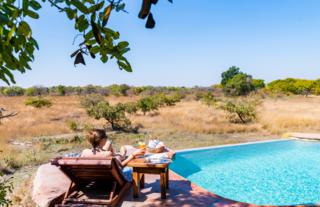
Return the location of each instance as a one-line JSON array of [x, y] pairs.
[[274, 173]]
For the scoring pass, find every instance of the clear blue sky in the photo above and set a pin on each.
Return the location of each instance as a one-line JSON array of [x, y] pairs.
[[193, 42]]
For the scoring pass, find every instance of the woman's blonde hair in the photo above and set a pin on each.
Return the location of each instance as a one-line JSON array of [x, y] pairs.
[[95, 136]]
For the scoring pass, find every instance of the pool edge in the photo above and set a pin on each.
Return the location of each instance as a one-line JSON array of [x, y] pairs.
[[236, 144]]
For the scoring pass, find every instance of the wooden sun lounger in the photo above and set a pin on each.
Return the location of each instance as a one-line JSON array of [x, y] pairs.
[[94, 181]]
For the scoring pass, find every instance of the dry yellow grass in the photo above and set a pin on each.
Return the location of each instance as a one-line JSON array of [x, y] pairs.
[[193, 117], [290, 114], [275, 116]]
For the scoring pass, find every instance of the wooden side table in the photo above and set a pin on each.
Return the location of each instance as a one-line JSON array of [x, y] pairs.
[[140, 167]]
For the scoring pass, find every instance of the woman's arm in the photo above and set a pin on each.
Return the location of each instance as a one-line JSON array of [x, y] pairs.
[[128, 159], [108, 146], [132, 156]]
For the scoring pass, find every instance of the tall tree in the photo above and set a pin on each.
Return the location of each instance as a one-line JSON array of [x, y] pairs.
[[229, 74]]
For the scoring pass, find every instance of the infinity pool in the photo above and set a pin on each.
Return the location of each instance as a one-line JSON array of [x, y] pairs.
[[270, 173]]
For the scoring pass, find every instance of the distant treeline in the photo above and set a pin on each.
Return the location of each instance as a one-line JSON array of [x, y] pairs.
[[115, 90], [283, 86], [295, 86]]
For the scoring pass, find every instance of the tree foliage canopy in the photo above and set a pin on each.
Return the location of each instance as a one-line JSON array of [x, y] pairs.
[[295, 86], [240, 84], [90, 18], [229, 74]]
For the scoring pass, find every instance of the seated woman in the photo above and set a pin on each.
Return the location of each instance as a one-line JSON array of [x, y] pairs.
[[102, 147]]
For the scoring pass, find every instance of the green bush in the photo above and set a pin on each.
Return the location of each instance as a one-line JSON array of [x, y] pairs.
[[30, 92], [13, 91], [139, 90], [119, 90], [61, 90], [316, 87], [240, 84], [148, 104], [114, 115], [5, 188], [131, 107], [73, 125], [258, 84], [38, 102], [91, 100], [239, 111], [292, 86], [36, 91], [208, 98]]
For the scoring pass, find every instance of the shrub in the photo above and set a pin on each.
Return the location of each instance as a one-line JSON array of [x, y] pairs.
[[61, 90], [131, 107], [208, 98], [89, 89], [13, 91], [239, 111], [258, 83], [30, 92], [91, 100], [316, 87], [119, 90], [292, 86], [36, 91], [240, 84], [73, 125], [38, 102], [5, 188], [147, 104], [166, 100], [139, 90], [114, 115]]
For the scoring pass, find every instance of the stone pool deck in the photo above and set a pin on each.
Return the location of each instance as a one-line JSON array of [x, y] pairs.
[[309, 136], [182, 193]]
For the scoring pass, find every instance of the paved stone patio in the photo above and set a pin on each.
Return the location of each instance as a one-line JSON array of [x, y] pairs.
[[181, 193]]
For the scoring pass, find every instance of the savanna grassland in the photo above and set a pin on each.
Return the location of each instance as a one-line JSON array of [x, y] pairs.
[[36, 135]]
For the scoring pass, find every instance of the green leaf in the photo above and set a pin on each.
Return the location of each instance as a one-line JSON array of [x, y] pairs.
[[89, 35], [25, 5], [24, 29], [3, 77], [104, 58], [80, 6], [124, 64], [96, 7], [106, 15], [4, 19], [96, 32], [122, 45], [90, 1], [11, 33], [35, 43], [71, 13], [120, 7], [115, 35], [82, 23], [95, 49], [9, 74], [30, 48], [35, 5], [123, 51], [32, 14]]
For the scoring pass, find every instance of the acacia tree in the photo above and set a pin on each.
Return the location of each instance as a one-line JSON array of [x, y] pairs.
[[90, 18]]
